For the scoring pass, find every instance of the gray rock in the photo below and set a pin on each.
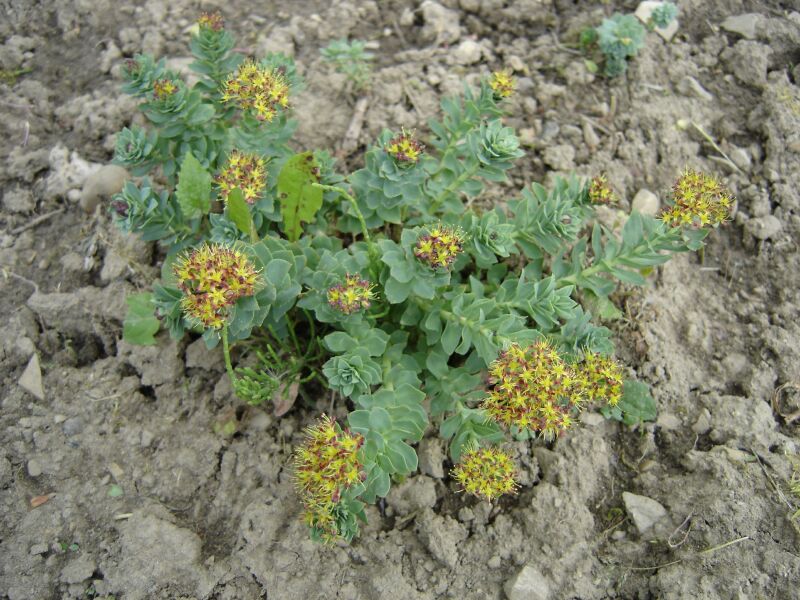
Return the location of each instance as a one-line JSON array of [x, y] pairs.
[[199, 356], [441, 24], [19, 200], [468, 52], [528, 584], [101, 185], [560, 157], [741, 158], [764, 228], [34, 468], [72, 426], [644, 511], [745, 25], [748, 61], [689, 86], [431, 457], [31, 379], [78, 570], [441, 535], [645, 202], [643, 12], [37, 549], [413, 494]]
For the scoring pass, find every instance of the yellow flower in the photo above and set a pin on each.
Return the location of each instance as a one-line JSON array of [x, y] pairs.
[[502, 84], [440, 247], [600, 192], [354, 295], [533, 390], [404, 148], [324, 466], [212, 21], [164, 88], [598, 378], [244, 171], [212, 278], [699, 200], [258, 89], [486, 472]]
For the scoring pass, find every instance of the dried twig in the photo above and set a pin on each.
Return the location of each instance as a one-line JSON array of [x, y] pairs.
[[350, 140], [37, 221]]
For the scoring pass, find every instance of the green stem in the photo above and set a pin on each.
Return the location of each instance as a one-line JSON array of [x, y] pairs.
[[227, 352], [353, 203], [454, 185]]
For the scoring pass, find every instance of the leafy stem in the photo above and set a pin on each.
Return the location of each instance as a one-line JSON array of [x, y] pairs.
[[353, 203], [454, 185], [227, 352]]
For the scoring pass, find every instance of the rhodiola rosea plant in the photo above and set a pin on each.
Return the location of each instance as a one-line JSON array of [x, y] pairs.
[[394, 286]]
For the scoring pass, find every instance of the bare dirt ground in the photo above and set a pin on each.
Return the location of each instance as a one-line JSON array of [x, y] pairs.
[[138, 495]]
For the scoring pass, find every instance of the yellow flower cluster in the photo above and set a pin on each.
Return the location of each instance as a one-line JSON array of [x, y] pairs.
[[244, 171], [212, 21], [164, 88], [324, 466], [405, 148], [502, 84], [440, 247], [699, 200], [598, 378], [353, 295], [256, 88], [533, 390], [600, 192], [487, 473], [212, 278]]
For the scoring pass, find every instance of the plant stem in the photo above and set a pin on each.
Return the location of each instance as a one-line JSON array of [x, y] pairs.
[[227, 352], [353, 203], [454, 185]]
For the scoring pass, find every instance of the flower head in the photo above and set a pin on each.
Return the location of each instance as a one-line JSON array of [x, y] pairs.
[[486, 472], [533, 389], [502, 84], [212, 278], [324, 466], [259, 89], [698, 200], [244, 171], [354, 295], [440, 246], [164, 88], [598, 378], [600, 192], [212, 21], [405, 148]]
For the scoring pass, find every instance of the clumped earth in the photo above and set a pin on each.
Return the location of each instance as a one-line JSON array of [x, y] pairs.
[[118, 475]]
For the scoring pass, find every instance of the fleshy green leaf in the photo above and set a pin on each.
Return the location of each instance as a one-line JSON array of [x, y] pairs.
[[636, 404], [194, 188], [299, 199], [140, 323], [239, 212]]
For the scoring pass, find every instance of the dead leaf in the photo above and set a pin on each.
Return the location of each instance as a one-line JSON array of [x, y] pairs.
[[37, 501], [285, 397]]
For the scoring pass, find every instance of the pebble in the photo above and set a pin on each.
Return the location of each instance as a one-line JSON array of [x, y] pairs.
[[528, 584], [690, 85], [643, 12], [39, 549], [102, 184], [644, 511], [744, 25], [468, 52], [73, 426], [764, 228], [78, 570], [34, 468], [741, 159], [441, 24], [560, 157], [645, 202], [31, 379], [590, 136], [19, 200]]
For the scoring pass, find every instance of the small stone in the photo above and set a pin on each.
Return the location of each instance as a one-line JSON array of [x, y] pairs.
[[73, 426], [744, 25], [690, 86], [470, 5], [34, 468], [495, 562], [644, 511], [37, 549], [78, 570], [590, 136], [116, 471], [31, 380], [560, 157], [643, 12], [528, 584], [19, 200], [58, 419], [412, 495], [741, 159], [703, 423], [199, 356], [146, 438], [645, 202], [467, 52], [550, 129], [748, 61], [102, 184], [592, 419], [441, 24], [668, 421], [431, 457], [764, 228]]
